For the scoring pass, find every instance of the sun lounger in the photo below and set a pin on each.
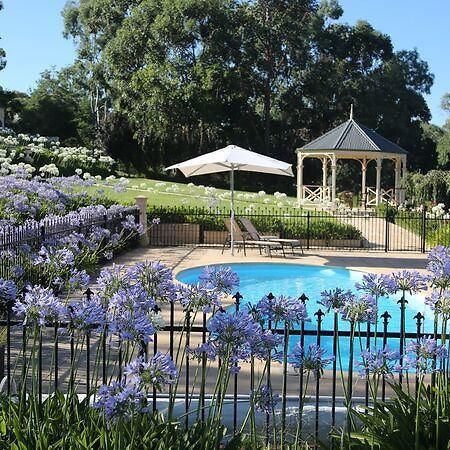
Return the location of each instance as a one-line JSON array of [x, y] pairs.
[[241, 240], [254, 235]]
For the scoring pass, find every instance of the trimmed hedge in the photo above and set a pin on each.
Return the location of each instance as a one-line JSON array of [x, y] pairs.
[[295, 225]]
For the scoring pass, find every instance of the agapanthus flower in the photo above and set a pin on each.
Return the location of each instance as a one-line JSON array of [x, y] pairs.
[[39, 306], [87, 315], [312, 359], [111, 280], [132, 325], [378, 362], [334, 299], [422, 354], [376, 285], [439, 302], [156, 278], [131, 298], [130, 224], [8, 291], [159, 371], [264, 400], [230, 337], [198, 298], [283, 309], [121, 401], [219, 278], [360, 309], [439, 266], [264, 344], [410, 281], [78, 279]]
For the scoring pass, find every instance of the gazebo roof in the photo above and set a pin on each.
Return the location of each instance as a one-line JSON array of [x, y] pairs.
[[353, 136]]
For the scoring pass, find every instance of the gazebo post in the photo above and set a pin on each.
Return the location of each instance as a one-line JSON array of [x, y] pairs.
[[378, 183], [363, 182], [403, 176], [324, 179], [333, 178], [398, 168], [299, 178]]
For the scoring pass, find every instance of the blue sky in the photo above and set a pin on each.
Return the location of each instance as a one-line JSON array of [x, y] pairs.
[[31, 32]]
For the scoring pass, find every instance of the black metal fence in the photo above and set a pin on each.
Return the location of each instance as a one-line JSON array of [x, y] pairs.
[[98, 359], [17, 242], [388, 230]]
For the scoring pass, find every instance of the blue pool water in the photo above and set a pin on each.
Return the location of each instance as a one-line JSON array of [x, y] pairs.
[[258, 279]]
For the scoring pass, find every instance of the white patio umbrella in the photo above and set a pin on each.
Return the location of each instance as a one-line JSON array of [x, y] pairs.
[[231, 159]]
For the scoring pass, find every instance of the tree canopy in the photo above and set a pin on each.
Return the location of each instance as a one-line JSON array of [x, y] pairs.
[[187, 76]]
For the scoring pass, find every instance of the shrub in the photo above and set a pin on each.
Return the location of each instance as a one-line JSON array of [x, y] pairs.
[[290, 226]]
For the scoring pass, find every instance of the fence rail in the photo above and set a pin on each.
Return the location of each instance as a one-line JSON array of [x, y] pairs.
[[99, 358], [389, 230], [52, 230]]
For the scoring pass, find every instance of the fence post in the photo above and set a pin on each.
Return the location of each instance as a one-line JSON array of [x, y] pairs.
[[141, 203], [386, 231], [424, 229], [307, 229]]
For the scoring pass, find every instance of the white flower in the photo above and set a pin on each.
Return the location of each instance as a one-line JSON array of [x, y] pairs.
[[78, 171], [49, 169]]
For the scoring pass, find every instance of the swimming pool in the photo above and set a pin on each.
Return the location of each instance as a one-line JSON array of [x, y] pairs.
[[258, 279]]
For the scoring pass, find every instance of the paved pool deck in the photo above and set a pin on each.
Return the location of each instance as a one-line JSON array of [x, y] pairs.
[[179, 258]]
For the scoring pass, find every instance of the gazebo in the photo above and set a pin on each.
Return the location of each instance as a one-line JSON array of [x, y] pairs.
[[352, 140]]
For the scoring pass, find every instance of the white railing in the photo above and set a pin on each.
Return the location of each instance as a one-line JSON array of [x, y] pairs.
[[316, 194], [386, 196]]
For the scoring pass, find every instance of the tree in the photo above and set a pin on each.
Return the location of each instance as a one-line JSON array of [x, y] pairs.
[[57, 107], [187, 76], [443, 143]]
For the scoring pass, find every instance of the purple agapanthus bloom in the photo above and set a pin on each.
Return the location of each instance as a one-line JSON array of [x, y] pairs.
[[439, 266], [360, 309], [131, 298], [156, 278], [230, 338], [130, 224], [78, 279], [198, 298], [132, 325], [334, 299], [410, 281], [264, 400], [222, 279], [159, 371], [283, 309], [312, 359], [440, 303], [121, 401], [39, 306], [111, 280], [8, 291], [422, 354], [87, 315], [377, 362], [264, 344], [376, 285]]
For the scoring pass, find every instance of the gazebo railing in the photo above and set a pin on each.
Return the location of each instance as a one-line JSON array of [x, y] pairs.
[[316, 194], [386, 196]]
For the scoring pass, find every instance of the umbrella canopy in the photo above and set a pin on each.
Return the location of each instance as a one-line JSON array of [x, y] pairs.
[[230, 159]]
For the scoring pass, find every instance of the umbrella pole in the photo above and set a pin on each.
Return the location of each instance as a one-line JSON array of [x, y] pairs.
[[232, 210]]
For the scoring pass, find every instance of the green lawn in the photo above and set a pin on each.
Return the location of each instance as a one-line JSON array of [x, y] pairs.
[[168, 194]]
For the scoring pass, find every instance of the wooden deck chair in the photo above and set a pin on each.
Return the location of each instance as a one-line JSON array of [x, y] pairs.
[[242, 241], [254, 234]]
